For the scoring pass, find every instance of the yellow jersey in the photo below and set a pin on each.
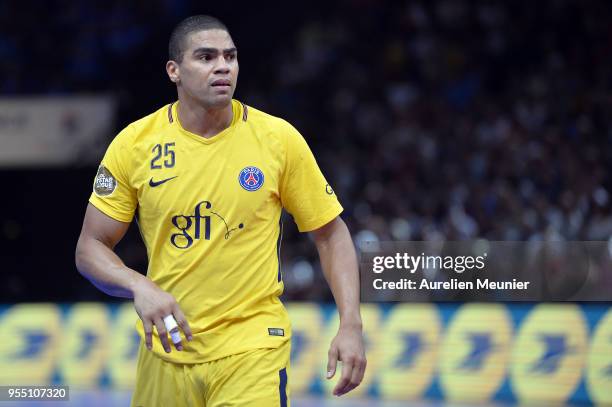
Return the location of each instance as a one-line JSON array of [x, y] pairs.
[[209, 213]]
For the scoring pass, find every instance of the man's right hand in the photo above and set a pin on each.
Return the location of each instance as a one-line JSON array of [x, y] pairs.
[[96, 260], [152, 305]]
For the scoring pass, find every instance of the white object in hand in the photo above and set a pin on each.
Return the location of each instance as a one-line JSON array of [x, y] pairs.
[[172, 327]]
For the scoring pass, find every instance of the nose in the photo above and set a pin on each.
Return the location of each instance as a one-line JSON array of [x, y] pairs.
[[222, 67]]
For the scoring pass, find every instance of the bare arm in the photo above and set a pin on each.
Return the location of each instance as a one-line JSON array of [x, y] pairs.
[[339, 263], [96, 260]]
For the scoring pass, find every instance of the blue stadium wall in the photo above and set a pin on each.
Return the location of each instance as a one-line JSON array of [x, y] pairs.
[[547, 353]]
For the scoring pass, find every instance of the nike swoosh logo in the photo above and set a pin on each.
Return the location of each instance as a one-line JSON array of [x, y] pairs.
[[154, 184]]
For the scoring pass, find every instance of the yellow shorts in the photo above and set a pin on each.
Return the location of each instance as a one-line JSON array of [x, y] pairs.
[[254, 378]]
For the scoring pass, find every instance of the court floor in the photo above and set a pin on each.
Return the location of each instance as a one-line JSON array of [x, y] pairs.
[[101, 398]]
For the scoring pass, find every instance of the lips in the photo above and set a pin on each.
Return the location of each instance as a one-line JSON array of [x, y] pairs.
[[221, 82]]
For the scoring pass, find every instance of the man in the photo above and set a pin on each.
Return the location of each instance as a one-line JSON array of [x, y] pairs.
[[208, 177]]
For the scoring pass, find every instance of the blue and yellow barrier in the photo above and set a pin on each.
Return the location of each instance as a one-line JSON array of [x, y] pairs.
[[548, 353]]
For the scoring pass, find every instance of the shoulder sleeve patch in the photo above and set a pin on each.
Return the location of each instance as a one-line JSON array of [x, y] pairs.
[[105, 183]]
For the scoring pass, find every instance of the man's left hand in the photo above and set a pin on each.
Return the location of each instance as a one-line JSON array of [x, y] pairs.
[[348, 348]]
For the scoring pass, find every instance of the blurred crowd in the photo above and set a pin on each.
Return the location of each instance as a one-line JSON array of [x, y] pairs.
[[457, 120], [431, 119]]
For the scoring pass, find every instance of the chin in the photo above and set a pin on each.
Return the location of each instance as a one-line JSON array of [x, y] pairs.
[[216, 102]]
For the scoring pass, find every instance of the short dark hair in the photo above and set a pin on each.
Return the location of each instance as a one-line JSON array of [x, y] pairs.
[[187, 26]]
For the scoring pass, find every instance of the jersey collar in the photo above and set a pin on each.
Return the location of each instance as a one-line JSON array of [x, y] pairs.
[[239, 115]]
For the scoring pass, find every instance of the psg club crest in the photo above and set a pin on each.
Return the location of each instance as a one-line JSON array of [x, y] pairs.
[[251, 178]]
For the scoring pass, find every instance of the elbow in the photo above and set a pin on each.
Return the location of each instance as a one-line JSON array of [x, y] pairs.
[[85, 261], [80, 254], [81, 261]]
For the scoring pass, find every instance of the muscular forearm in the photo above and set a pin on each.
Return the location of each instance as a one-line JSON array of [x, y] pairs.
[[97, 261], [100, 265], [340, 269], [339, 263]]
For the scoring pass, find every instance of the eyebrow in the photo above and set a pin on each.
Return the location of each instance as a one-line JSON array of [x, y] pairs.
[[206, 50]]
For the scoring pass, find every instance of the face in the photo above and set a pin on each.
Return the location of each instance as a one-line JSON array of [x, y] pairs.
[[208, 71]]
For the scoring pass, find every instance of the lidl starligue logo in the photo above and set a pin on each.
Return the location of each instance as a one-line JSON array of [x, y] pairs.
[[251, 178]]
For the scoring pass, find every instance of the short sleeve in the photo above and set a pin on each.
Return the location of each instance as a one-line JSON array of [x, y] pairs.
[[113, 193], [304, 192]]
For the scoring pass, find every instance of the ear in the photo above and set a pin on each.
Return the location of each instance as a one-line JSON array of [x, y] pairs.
[[173, 71]]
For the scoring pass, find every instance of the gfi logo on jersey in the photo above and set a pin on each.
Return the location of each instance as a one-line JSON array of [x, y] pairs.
[[251, 178], [185, 223]]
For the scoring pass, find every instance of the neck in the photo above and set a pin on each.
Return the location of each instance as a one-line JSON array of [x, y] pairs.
[[205, 122]]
